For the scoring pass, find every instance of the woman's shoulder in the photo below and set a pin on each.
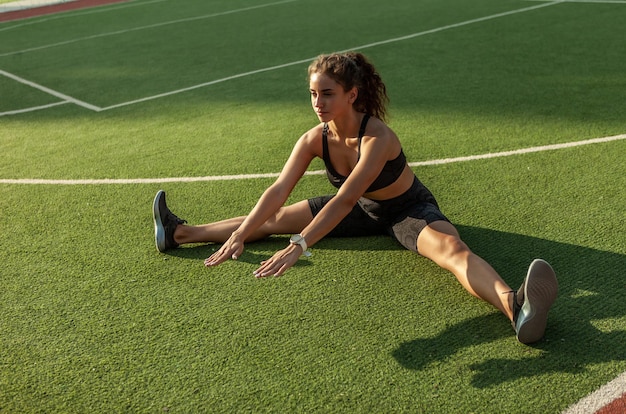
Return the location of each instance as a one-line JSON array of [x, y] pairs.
[[379, 129], [380, 138], [314, 134], [317, 129], [311, 141]]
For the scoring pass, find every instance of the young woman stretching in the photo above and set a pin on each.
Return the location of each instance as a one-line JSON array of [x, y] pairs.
[[378, 193]]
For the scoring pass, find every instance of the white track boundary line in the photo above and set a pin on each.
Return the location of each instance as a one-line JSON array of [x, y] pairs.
[[21, 5], [50, 91], [106, 181], [73, 13], [601, 397]]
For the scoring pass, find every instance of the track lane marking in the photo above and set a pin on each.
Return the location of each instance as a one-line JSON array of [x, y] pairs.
[[601, 397]]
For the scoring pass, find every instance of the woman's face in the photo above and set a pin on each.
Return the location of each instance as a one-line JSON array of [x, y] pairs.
[[328, 98]]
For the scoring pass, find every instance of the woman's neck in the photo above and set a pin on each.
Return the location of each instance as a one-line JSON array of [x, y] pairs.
[[346, 126]]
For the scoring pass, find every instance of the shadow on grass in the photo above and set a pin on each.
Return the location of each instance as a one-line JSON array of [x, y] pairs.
[[254, 253], [257, 251], [591, 287]]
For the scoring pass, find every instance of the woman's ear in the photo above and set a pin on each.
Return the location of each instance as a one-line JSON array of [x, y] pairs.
[[354, 93]]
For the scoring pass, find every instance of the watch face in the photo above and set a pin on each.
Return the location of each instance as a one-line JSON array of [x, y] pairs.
[[295, 238]]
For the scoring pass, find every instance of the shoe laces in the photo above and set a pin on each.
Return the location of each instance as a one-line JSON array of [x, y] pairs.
[[173, 220]]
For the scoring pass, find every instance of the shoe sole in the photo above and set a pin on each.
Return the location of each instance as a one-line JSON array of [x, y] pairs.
[[540, 291], [159, 230]]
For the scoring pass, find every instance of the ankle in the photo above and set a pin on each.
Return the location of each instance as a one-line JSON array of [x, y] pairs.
[[511, 303], [179, 234]]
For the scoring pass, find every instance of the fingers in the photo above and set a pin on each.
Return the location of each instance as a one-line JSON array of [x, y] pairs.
[[237, 252], [227, 251], [273, 270], [277, 264], [216, 258]]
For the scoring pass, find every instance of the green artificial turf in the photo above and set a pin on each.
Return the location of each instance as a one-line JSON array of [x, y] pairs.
[[93, 319]]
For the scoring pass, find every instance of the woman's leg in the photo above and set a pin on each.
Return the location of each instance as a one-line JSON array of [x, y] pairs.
[[288, 220], [440, 242]]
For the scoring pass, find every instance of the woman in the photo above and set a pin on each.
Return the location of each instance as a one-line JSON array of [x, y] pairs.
[[378, 193]]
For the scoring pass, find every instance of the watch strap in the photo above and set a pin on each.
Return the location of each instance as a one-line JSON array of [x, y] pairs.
[[300, 241]]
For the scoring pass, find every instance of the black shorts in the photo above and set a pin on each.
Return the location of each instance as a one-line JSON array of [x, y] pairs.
[[402, 217]]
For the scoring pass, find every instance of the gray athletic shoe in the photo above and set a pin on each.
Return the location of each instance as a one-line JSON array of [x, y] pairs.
[[537, 293], [165, 223]]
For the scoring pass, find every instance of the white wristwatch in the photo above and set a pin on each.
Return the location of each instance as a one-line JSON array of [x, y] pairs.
[[299, 240]]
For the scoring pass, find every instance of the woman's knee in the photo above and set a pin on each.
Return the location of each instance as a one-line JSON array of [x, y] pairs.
[[445, 248], [456, 249]]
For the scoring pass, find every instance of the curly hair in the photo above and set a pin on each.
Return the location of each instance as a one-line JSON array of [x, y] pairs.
[[353, 69]]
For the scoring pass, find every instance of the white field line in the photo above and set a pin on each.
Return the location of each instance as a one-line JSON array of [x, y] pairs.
[[455, 25], [284, 65], [150, 26], [50, 91], [601, 397], [202, 85], [541, 148], [301, 61], [73, 13], [317, 172], [33, 108], [588, 1]]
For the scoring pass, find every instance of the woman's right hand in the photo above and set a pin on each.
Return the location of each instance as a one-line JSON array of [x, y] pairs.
[[231, 249]]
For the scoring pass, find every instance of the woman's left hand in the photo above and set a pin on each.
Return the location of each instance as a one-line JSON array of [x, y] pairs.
[[280, 262]]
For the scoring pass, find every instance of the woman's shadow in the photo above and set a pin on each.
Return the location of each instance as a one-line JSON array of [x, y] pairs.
[[591, 289]]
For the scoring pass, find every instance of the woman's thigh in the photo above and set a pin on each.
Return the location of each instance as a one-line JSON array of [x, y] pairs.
[[289, 219], [408, 228]]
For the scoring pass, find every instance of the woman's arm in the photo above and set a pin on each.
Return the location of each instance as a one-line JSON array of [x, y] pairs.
[[272, 199], [375, 151]]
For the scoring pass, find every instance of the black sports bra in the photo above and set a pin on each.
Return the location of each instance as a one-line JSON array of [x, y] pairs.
[[390, 173]]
